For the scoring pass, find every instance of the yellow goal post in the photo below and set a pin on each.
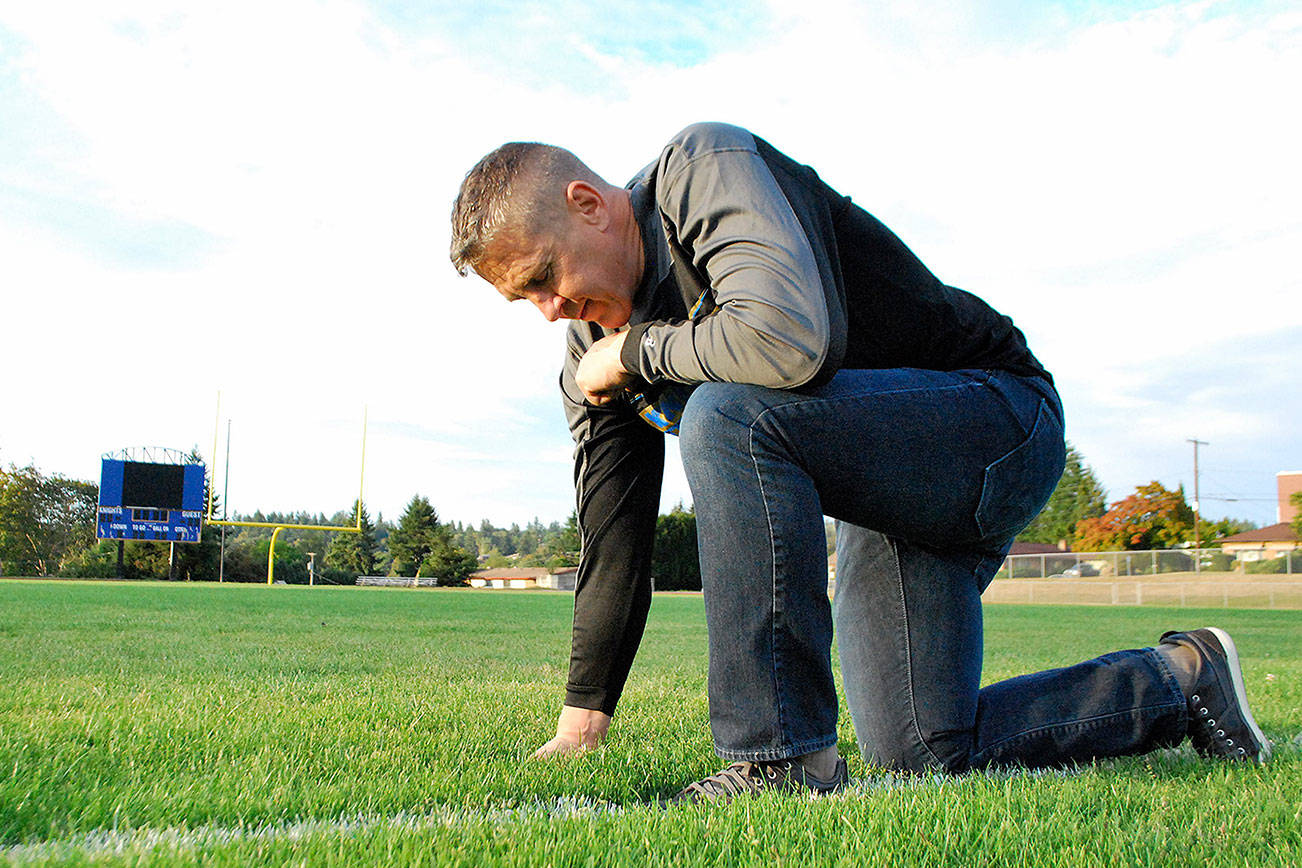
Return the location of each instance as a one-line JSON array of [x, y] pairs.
[[279, 526]]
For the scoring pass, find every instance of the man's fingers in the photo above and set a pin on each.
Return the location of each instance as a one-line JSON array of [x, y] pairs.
[[577, 730], [556, 747]]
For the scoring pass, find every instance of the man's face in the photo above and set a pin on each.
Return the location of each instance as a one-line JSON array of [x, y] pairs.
[[576, 274]]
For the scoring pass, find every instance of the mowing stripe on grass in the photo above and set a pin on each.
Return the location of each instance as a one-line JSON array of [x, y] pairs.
[[106, 843]]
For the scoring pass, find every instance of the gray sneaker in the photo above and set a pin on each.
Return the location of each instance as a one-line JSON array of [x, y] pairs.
[[1220, 721], [750, 778]]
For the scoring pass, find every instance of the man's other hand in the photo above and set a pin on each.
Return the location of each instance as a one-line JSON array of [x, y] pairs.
[[601, 376], [578, 729]]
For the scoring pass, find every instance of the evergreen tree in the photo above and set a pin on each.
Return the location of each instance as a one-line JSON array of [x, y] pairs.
[[560, 548], [422, 546], [467, 538], [413, 539], [1077, 496], [448, 563], [353, 554], [675, 562]]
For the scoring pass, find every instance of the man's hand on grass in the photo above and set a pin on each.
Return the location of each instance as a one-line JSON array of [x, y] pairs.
[[578, 729]]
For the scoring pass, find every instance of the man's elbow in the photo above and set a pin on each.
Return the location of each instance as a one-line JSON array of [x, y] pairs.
[[809, 365]]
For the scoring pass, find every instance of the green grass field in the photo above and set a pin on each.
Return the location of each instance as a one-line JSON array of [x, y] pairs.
[[247, 725]]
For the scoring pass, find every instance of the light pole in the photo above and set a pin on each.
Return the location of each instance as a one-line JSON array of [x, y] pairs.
[[1197, 537]]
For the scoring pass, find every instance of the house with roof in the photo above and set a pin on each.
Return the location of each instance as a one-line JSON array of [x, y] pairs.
[[525, 577], [1035, 548], [1262, 544]]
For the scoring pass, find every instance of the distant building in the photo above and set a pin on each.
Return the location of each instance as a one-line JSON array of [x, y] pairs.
[[525, 577], [1263, 544], [1030, 548], [1288, 484], [560, 580]]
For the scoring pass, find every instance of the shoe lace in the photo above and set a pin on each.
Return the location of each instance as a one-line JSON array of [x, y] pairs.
[[740, 777], [1215, 738]]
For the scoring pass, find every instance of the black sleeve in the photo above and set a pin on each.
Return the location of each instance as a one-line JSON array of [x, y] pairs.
[[618, 467]]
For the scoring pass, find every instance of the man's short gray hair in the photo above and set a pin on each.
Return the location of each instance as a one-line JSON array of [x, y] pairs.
[[517, 183]]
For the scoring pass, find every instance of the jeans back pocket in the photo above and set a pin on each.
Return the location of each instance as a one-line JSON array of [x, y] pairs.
[[1018, 485]]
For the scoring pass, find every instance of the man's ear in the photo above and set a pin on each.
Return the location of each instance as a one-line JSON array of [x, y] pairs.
[[587, 203]]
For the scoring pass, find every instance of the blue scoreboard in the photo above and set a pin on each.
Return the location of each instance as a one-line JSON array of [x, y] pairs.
[[148, 501]]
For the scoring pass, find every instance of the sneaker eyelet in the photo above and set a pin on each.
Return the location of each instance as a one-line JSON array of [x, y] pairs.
[[1220, 733], [1229, 742], [1194, 699], [1211, 721], [1203, 712], [1242, 752]]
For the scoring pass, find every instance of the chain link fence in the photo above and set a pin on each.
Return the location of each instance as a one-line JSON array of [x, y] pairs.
[[1152, 562], [1185, 578]]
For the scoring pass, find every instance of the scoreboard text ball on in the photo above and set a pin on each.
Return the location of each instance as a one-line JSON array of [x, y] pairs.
[[148, 500]]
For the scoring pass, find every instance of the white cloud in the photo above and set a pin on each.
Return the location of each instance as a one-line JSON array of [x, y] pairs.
[[1126, 188]]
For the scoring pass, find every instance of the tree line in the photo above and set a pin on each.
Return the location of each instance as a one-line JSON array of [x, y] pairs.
[[47, 528], [1152, 517]]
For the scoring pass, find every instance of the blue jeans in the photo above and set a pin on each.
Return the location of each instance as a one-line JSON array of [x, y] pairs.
[[929, 474]]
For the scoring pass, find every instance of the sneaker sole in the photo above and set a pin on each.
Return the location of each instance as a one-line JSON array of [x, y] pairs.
[[1241, 695]]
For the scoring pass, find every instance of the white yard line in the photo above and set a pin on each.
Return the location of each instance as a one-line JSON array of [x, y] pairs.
[[181, 839]]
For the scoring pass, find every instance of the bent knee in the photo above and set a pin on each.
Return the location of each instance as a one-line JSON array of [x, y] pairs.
[[942, 753], [715, 412]]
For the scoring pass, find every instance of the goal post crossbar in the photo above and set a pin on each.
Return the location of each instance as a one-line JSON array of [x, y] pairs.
[[277, 525], [220, 522]]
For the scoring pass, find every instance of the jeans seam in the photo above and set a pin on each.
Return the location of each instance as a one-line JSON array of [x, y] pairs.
[[1086, 722], [1007, 405], [908, 656], [773, 579]]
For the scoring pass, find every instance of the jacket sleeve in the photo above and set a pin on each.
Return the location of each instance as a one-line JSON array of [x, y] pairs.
[[725, 209], [618, 467]]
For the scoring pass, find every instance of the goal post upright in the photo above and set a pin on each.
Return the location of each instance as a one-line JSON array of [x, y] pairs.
[[212, 483], [361, 480], [277, 526]]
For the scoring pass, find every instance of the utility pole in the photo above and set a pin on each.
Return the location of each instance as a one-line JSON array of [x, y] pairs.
[[1197, 537]]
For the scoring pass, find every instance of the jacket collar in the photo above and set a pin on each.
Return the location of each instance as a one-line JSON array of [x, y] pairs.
[[657, 264]]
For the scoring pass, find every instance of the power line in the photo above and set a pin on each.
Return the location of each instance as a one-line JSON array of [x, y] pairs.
[[1229, 499]]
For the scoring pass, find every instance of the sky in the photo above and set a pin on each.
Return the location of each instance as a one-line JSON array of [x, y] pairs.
[[237, 214]]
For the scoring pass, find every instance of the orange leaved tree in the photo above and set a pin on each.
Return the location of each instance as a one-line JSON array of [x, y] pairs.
[[1151, 518]]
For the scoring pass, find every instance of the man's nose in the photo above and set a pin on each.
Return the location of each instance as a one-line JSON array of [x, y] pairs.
[[552, 306]]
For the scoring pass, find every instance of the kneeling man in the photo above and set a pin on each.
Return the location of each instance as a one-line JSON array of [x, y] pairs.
[[811, 365]]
